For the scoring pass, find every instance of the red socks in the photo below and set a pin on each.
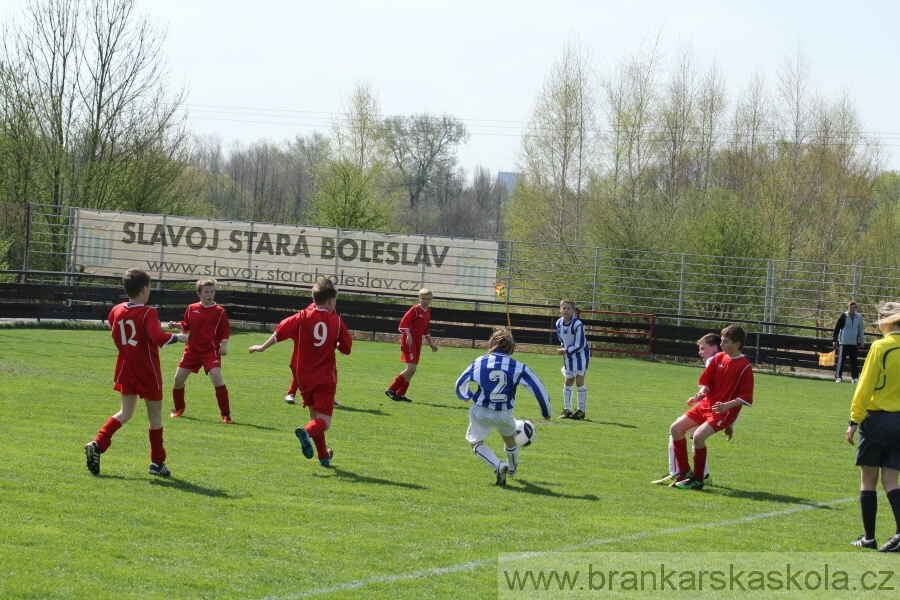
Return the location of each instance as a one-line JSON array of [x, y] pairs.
[[681, 457], [316, 427], [104, 436], [699, 463], [398, 383], [178, 398], [222, 399], [157, 452], [321, 447]]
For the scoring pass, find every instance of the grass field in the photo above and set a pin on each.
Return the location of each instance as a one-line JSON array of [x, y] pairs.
[[406, 511]]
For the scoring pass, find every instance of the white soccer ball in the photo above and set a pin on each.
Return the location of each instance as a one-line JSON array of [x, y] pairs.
[[525, 432]]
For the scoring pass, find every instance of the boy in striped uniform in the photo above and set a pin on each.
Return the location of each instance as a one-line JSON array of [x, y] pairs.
[[576, 354], [496, 376]]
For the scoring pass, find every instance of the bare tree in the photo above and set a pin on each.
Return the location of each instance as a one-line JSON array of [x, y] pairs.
[[422, 146]]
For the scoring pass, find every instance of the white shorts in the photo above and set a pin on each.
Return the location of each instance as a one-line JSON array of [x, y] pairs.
[[571, 374], [482, 420]]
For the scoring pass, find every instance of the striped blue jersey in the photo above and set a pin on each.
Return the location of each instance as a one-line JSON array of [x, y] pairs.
[[496, 376], [571, 336]]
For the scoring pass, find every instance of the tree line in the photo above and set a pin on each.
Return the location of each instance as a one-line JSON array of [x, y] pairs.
[[649, 154]]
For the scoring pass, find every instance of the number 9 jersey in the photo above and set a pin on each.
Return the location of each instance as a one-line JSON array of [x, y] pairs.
[[317, 333], [138, 335]]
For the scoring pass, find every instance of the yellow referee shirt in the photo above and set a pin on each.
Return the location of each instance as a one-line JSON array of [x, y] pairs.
[[879, 383]]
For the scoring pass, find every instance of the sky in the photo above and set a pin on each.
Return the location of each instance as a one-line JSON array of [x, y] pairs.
[[275, 69]]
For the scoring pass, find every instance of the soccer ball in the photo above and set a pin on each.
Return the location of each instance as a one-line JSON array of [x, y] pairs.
[[525, 432]]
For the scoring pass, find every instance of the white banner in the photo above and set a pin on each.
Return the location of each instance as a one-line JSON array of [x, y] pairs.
[[167, 247]]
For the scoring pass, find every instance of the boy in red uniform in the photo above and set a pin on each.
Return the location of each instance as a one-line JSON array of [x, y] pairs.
[[138, 335], [317, 332], [413, 329], [726, 385], [208, 343]]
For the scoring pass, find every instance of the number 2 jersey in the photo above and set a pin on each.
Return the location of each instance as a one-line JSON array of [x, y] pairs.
[[138, 335], [317, 333], [497, 375]]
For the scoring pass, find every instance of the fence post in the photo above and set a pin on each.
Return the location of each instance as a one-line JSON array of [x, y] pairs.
[[681, 287], [596, 274], [509, 270]]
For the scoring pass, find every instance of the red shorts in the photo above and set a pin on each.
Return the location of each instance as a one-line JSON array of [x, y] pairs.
[[132, 389], [410, 355], [718, 421], [319, 397], [192, 362]]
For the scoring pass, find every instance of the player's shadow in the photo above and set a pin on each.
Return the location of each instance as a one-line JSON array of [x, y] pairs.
[[728, 492], [622, 425], [533, 488], [458, 406], [186, 486], [370, 411], [253, 426], [344, 474]]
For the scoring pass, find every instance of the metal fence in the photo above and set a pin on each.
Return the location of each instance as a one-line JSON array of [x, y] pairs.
[[679, 285]]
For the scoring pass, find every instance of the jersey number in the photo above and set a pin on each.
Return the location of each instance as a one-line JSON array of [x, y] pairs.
[[320, 332], [128, 338], [500, 378]]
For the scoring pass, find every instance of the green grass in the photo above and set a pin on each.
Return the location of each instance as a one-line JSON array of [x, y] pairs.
[[407, 511]]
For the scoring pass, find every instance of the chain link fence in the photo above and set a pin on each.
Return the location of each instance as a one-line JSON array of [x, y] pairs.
[[674, 285]]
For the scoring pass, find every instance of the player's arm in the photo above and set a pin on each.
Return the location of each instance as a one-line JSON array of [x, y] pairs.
[[273, 339], [345, 340], [223, 347], [463, 391], [533, 384], [176, 325], [427, 338], [155, 333], [224, 333], [702, 393]]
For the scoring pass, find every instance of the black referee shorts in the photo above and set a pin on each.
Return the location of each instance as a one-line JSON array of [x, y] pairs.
[[879, 440]]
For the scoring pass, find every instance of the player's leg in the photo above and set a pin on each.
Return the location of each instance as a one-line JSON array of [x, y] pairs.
[[567, 394], [480, 426], [319, 400], [839, 363], [889, 481], [103, 439], [406, 376], [290, 396], [678, 430], [868, 506], [181, 375], [581, 391], [669, 477], [215, 375], [511, 447], [155, 433]]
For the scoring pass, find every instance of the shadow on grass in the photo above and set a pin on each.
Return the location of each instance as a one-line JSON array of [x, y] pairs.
[[622, 425], [343, 474], [728, 492], [186, 486], [371, 411], [460, 406], [533, 488]]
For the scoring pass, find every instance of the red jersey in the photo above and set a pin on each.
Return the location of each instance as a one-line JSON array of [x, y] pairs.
[[138, 335], [727, 379], [414, 325], [317, 333], [207, 326]]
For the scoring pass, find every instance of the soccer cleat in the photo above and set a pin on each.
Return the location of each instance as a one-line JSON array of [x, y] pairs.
[[160, 469], [92, 452], [393, 395], [305, 443], [708, 479], [665, 479], [289, 398], [838, 380], [403, 398], [690, 484], [578, 415], [681, 477], [326, 462], [565, 414], [176, 413], [502, 472], [855, 380], [336, 403], [892, 545], [862, 542], [227, 419]]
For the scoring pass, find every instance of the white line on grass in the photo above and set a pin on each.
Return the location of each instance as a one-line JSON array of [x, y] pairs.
[[352, 585]]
